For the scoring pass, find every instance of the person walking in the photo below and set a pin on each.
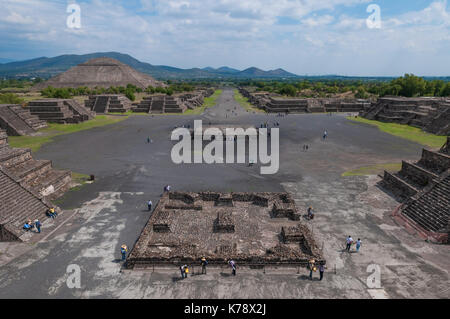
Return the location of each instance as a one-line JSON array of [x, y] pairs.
[[349, 243], [186, 271], [148, 140], [233, 267], [123, 251], [325, 134], [310, 213], [358, 244], [312, 267], [182, 271], [38, 225], [321, 271], [149, 205], [204, 263]]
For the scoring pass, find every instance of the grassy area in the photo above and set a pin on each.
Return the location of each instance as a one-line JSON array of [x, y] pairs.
[[411, 133], [243, 101], [208, 102], [79, 178], [47, 134], [373, 169]]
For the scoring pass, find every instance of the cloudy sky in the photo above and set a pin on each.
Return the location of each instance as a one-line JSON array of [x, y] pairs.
[[307, 37]]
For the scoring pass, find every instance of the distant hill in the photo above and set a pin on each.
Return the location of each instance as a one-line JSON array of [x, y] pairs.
[[48, 67]]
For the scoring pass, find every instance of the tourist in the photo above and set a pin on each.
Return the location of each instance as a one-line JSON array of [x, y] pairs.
[[186, 271], [312, 267], [182, 271], [149, 205], [38, 225], [358, 244], [307, 147], [123, 251], [321, 271], [325, 134], [204, 263], [349, 243], [233, 267], [167, 189], [310, 213], [28, 226], [148, 140], [51, 213]]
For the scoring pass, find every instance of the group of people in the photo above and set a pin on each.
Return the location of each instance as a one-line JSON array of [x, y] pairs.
[[184, 269], [349, 242], [313, 268], [29, 225]]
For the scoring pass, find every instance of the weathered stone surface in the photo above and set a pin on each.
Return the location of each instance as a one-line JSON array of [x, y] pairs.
[[429, 114], [246, 232], [17, 120]]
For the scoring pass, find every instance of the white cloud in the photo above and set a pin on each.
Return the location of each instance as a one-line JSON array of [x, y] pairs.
[[239, 33]]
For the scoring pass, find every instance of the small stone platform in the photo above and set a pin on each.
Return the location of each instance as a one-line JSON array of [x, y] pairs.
[[253, 229]]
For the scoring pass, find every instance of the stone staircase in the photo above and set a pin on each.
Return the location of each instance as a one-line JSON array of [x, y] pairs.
[[18, 205], [59, 111], [36, 175], [84, 113], [18, 121], [424, 189], [429, 114], [158, 104], [108, 103], [414, 177], [431, 210]]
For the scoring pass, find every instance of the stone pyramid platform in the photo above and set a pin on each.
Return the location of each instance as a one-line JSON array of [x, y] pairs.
[[108, 103], [59, 111], [17, 120], [424, 189], [25, 186], [37, 176]]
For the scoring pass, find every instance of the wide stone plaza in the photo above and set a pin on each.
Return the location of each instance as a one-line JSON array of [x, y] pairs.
[[100, 217]]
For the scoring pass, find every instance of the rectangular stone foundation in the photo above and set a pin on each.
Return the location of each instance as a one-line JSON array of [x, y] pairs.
[[185, 227]]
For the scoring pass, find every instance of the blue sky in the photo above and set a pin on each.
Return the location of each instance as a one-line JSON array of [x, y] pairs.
[[311, 37]]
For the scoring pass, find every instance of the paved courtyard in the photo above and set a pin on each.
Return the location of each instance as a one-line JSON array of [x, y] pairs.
[[102, 216]]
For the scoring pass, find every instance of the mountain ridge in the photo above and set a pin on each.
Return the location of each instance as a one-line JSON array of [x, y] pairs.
[[48, 67]]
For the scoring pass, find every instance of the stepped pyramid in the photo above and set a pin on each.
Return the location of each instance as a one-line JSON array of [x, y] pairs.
[[17, 120], [59, 110], [21, 178], [100, 72], [424, 188], [37, 176]]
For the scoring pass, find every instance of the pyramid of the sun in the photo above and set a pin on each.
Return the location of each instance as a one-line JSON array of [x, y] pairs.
[[100, 72]]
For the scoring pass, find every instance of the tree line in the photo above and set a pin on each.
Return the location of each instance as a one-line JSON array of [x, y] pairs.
[[408, 85], [129, 91]]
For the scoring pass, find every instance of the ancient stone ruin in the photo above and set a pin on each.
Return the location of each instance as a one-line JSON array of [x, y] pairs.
[[177, 103], [254, 229], [424, 189], [37, 175], [17, 120], [59, 111], [26, 185], [100, 72], [108, 103], [274, 103], [427, 113]]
